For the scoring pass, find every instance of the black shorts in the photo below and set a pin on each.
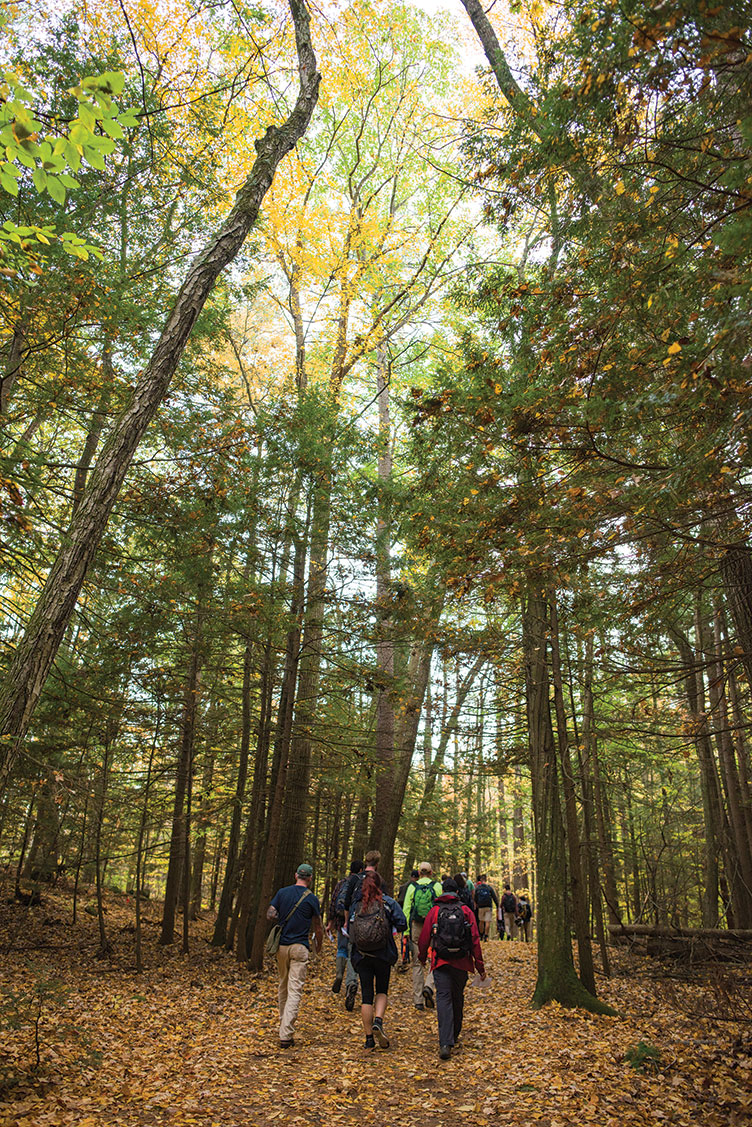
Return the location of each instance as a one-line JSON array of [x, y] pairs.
[[374, 978]]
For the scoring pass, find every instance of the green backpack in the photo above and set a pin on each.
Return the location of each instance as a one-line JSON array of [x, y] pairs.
[[424, 898]]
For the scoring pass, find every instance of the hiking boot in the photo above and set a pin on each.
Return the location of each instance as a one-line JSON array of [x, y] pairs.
[[379, 1034], [337, 984], [370, 1043], [428, 997], [445, 1051], [286, 1044], [350, 993], [420, 1007]]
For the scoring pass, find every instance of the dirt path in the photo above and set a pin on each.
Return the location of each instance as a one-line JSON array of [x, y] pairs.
[[195, 1042]]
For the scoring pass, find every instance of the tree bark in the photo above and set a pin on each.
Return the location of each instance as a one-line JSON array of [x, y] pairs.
[[576, 880], [557, 979], [36, 652]]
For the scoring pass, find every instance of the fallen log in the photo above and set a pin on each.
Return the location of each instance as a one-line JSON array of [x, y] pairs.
[[689, 944], [744, 935]]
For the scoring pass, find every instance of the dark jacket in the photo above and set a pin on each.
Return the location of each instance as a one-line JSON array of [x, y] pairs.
[[466, 962], [396, 918]]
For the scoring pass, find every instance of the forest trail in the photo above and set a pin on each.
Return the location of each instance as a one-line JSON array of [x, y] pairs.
[[194, 1041]]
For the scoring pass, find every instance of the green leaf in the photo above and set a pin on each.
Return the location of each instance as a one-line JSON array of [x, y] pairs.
[[56, 189], [113, 128], [40, 179], [94, 158], [8, 184]]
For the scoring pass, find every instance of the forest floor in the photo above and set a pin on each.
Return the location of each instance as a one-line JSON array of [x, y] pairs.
[[193, 1040]]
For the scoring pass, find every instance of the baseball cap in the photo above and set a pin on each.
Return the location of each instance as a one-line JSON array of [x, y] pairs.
[[304, 871]]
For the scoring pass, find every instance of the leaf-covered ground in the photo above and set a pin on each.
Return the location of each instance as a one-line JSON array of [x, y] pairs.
[[193, 1040]]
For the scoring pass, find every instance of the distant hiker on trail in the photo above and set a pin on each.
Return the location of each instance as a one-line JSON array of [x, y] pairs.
[[419, 899], [525, 917], [372, 917], [406, 949], [404, 887], [299, 913], [335, 925], [509, 908], [464, 892], [451, 932], [485, 899], [344, 901]]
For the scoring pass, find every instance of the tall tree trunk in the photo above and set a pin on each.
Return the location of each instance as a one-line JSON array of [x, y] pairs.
[[557, 979], [34, 655], [694, 693], [576, 879], [231, 869], [178, 858], [740, 853]]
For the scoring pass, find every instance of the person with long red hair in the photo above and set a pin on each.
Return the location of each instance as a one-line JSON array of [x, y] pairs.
[[373, 919]]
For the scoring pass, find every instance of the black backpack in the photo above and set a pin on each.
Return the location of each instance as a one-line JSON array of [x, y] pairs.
[[370, 930], [451, 935], [526, 912], [466, 897], [483, 897], [509, 902]]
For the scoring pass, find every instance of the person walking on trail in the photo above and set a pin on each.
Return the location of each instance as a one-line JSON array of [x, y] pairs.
[[344, 901], [335, 927], [452, 934], [525, 917], [299, 912], [464, 892], [485, 899], [509, 909], [406, 949], [373, 917], [419, 899]]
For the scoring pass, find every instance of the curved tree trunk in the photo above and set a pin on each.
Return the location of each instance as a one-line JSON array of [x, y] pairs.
[[36, 652]]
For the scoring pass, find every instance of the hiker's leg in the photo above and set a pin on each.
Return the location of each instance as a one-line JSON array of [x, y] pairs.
[[298, 965], [366, 975], [283, 966], [351, 978], [382, 974], [419, 974], [442, 977], [459, 981]]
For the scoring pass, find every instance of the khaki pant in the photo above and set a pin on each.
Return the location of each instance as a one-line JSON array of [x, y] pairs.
[[421, 977], [292, 963], [509, 925]]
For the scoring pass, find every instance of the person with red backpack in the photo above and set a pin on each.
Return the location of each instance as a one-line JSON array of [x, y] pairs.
[[372, 918], [452, 934], [420, 898]]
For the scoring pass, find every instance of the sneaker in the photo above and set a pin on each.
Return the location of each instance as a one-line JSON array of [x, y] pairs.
[[445, 1051], [286, 1044], [370, 1043], [379, 1034], [419, 1006], [428, 997], [337, 984], [350, 993]]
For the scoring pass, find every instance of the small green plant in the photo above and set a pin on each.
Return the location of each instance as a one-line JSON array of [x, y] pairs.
[[643, 1056], [24, 1010]]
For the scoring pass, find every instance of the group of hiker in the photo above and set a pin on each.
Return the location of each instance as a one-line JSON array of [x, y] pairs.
[[442, 924]]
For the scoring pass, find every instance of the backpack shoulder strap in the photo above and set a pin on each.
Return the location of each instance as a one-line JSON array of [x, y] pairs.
[[296, 906]]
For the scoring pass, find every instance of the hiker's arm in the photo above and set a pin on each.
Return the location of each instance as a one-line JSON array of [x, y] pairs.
[[407, 907], [477, 949], [425, 935], [271, 911], [494, 896], [318, 933]]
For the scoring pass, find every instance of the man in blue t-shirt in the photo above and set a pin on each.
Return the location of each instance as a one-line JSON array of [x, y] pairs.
[[299, 912]]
